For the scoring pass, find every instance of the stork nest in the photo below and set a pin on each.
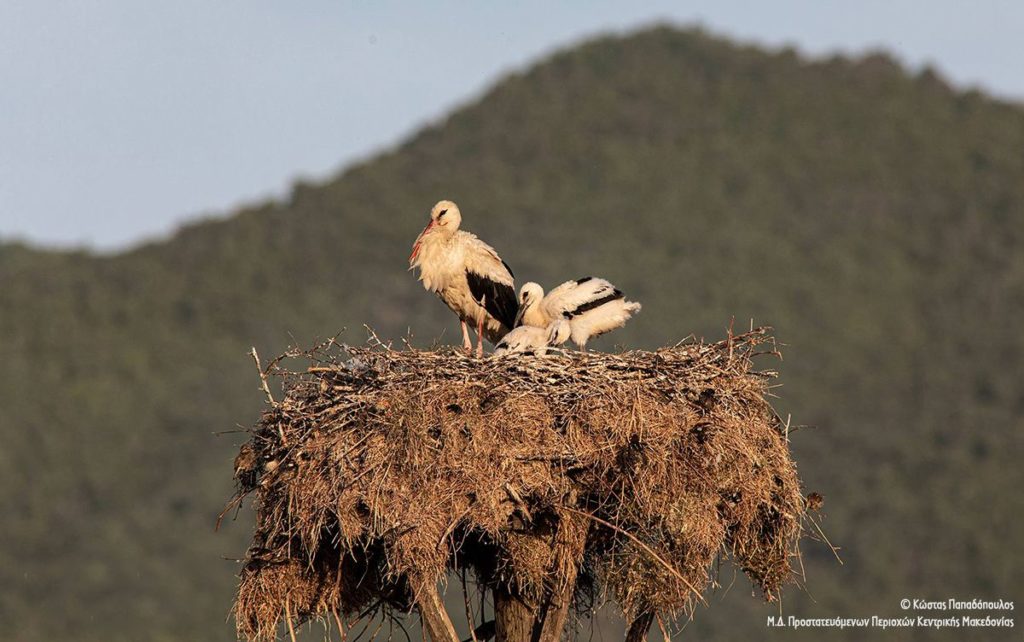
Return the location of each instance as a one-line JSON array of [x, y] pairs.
[[618, 475]]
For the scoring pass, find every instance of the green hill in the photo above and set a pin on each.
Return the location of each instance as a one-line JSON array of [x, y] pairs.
[[873, 216]]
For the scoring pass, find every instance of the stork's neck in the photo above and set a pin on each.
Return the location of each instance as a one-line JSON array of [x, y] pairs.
[[441, 240], [533, 315], [440, 260]]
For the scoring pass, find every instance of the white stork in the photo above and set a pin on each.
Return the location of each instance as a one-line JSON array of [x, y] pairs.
[[591, 306], [533, 340], [467, 274]]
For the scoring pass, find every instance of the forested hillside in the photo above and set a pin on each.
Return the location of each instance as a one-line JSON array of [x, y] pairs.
[[873, 216]]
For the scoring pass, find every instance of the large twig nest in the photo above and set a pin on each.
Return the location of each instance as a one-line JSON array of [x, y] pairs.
[[382, 469]]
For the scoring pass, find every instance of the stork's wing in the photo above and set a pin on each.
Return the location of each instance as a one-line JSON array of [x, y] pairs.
[[573, 298], [491, 282], [596, 303], [499, 299]]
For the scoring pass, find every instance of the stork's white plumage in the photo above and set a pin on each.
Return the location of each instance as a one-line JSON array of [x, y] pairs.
[[533, 340], [467, 274], [592, 307]]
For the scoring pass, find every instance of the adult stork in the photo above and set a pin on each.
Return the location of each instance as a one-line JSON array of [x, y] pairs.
[[592, 307], [530, 339], [467, 274]]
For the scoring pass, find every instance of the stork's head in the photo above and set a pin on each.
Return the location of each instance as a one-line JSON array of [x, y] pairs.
[[529, 295], [444, 220], [559, 332]]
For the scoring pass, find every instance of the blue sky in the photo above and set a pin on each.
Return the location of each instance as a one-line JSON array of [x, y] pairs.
[[119, 119]]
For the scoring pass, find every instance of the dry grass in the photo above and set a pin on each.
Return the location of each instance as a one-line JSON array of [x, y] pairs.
[[382, 469]]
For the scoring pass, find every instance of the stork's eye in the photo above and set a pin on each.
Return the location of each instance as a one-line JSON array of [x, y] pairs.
[[441, 213]]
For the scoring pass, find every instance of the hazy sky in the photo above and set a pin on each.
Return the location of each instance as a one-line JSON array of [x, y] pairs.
[[120, 118]]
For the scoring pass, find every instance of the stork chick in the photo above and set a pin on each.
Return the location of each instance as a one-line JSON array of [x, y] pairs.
[[467, 274], [530, 339], [591, 306]]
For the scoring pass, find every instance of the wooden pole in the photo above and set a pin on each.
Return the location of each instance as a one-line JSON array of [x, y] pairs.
[[639, 627], [514, 619], [556, 613], [435, 619]]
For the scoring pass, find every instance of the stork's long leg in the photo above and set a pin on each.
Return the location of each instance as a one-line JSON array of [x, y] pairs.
[[467, 343], [480, 337]]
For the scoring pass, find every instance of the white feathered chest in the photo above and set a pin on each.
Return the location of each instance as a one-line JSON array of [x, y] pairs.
[[441, 261]]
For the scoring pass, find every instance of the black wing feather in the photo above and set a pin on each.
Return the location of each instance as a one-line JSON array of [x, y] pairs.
[[590, 305], [499, 299]]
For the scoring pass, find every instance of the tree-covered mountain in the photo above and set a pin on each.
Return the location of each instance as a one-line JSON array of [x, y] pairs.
[[873, 216]]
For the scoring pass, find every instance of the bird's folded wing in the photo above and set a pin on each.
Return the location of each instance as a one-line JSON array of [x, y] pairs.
[[498, 298], [490, 281]]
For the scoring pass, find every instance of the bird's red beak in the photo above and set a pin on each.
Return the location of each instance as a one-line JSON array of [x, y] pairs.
[[419, 239]]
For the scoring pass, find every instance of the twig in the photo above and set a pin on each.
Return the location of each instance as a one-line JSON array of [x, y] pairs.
[[263, 376], [835, 551], [661, 625], [647, 549], [341, 627], [514, 494], [288, 619], [731, 322], [234, 502], [376, 339], [469, 614], [451, 527], [405, 631]]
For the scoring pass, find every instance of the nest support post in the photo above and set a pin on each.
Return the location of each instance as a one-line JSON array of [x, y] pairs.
[[436, 622]]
